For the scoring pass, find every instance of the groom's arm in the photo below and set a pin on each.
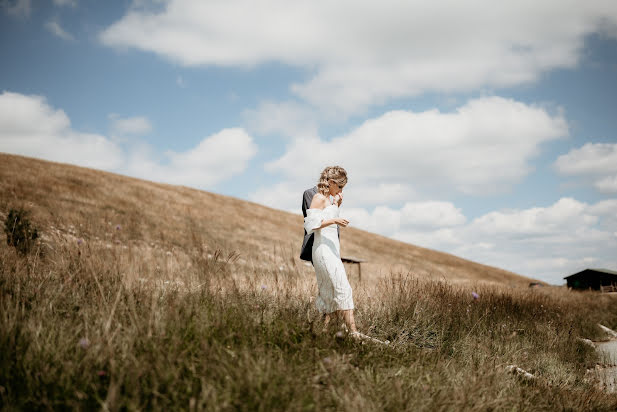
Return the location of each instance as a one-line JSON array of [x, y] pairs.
[[306, 201]]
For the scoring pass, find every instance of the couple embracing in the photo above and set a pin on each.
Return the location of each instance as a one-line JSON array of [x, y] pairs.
[[321, 246]]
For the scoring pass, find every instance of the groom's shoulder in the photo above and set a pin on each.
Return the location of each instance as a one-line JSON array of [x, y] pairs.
[[312, 191]]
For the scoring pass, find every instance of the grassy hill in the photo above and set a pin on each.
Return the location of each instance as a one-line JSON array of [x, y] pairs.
[[88, 204], [148, 296]]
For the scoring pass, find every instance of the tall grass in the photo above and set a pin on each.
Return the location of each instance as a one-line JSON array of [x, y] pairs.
[[115, 326]]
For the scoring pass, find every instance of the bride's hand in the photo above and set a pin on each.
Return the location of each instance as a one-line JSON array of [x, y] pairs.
[[341, 222], [339, 198]]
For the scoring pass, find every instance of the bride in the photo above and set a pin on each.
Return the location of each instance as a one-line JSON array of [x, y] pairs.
[[334, 291]]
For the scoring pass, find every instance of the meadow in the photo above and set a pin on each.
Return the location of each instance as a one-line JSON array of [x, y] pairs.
[[123, 306], [76, 333]]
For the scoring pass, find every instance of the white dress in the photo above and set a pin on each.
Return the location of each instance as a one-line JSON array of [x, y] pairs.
[[334, 290]]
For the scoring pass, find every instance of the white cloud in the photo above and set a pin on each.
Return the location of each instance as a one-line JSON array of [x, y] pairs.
[[413, 217], [590, 159], [283, 196], [376, 193], [595, 161], [564, 216], [29, 126], [18, 8], [605, 208], [546, 243], [363, 53], [287, 195], [435, 214], [72, 3], [607, 184], [216, 158], [138, 125], [54, 27], [288, 119], [484, 146]]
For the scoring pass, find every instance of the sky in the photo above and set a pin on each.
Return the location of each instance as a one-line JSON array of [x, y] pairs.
[[483, 129]]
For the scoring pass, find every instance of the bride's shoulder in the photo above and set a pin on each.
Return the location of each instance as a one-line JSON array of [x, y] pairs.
[[319, 201]]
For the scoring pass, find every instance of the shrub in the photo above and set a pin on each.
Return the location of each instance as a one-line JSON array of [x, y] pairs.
[[19, 232]]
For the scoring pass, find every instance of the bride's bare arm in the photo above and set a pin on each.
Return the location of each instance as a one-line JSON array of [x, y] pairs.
[[319, 202], [338, 220]]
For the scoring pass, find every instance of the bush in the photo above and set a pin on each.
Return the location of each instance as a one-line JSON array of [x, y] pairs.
[[19, 232]]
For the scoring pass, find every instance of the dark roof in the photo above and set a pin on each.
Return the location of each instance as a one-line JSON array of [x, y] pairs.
[[351, 259], [608, 272]]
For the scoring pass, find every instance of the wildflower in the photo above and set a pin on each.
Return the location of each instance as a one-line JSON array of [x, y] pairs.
[[339, 335], [263, 287], [84, 343], [101, 373], [474, 295], [80, 241], [118, 227]]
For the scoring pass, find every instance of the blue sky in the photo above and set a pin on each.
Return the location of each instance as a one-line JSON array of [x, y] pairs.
[[487, 131]]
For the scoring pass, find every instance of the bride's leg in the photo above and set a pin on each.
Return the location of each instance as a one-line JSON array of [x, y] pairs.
[[347, 316], [325, 319]]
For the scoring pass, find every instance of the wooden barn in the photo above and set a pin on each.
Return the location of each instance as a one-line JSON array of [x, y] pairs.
[[596, 279]]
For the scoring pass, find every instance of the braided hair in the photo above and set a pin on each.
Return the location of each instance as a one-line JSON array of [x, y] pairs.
[[335, 173]]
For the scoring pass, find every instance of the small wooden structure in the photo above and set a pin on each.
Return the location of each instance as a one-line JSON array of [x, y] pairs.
[[351, 259], [596, 279]]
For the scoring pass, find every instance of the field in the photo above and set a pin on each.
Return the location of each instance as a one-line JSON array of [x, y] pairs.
[[145, 296]]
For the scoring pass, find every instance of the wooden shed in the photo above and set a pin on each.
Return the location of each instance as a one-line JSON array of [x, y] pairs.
[[356, 261], [596, 279]]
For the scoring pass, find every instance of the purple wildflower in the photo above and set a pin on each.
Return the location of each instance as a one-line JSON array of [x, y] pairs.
[[474, 295], [263, 287], [84, 343], [118, 227], [80, 241]]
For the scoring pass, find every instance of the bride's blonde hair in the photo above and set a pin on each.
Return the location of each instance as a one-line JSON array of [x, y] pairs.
[[335, 173]]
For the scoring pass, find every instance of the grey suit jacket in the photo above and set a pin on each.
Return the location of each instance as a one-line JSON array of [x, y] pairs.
[[307, 244]]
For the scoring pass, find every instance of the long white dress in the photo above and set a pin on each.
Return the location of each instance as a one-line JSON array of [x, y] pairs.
[[334, 290]]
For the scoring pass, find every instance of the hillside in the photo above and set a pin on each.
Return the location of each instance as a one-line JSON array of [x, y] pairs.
[[142, 296], [72, 202]]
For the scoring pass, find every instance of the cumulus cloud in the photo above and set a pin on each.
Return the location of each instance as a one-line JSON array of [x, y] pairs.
[[597, 161], [287, 195], [363, 53], [483, 146], [29, 126], [287, 119], [17, 8], [53, 26], [216, 158], [138, 125], [72, 3], [413, 216], [546, 243]]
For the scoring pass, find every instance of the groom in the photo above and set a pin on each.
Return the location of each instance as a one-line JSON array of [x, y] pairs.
[[307, 245]]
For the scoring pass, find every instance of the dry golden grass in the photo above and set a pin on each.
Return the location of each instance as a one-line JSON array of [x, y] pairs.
[[149, 296], [83, 203]]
